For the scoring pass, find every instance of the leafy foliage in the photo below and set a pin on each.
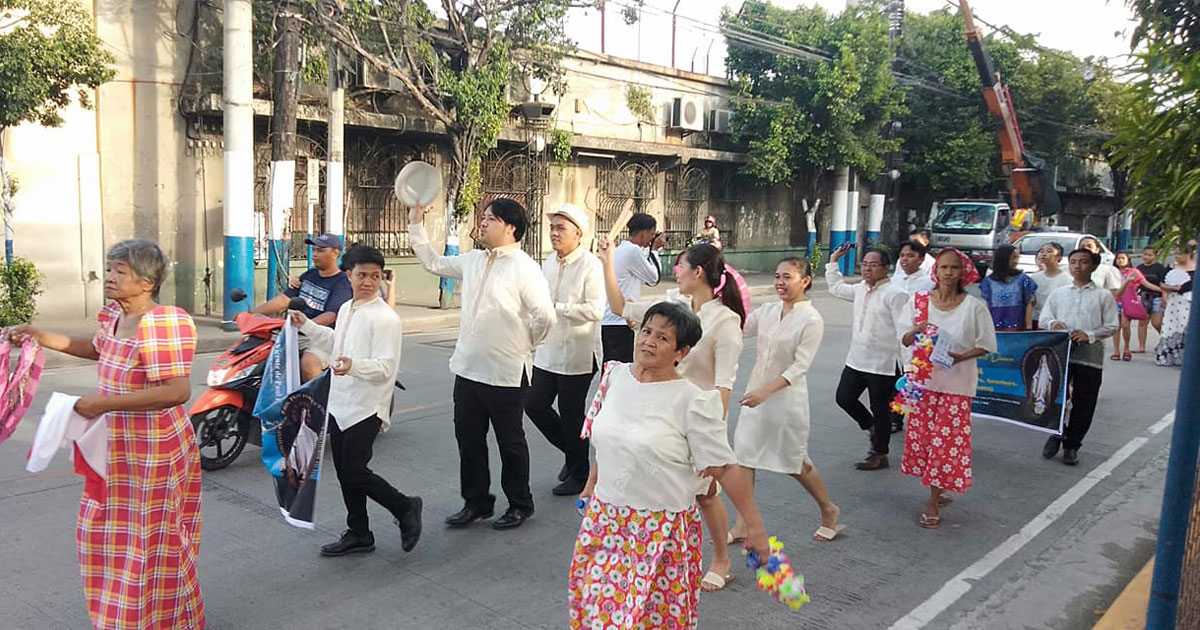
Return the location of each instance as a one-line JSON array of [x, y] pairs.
[[798, 115], [314, 65], [458, 72], [20, 284], [1158, 121], [816, 258], [637, 99], [560, 147], [47, 49]]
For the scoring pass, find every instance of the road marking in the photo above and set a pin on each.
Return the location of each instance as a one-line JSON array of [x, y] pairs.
[[959, 585]]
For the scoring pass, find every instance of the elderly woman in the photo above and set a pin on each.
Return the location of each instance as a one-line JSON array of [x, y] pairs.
[[637, 557], [138, 532], [937, 445]]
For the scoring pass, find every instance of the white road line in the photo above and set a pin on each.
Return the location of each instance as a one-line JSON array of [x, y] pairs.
[[960, 584]]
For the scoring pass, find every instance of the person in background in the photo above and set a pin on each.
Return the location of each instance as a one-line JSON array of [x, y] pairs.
[[635, 265], [709, 233], [1090, 314], [1177, 290], [1050, 277], [911, 273], [366, 347], [387, 290], [708, 289], [937, 444], [1129, 304], [871, 362], [506, 312], [772, 431], [637, 558], [1152, 299], [1105, 276], [1009, 292], [921, 235], [138, 530], [324, 289], [564, 363]]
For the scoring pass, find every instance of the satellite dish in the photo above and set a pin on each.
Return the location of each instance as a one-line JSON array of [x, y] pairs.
[[418, 184]]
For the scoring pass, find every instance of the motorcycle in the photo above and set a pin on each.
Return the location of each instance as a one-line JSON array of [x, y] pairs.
[[223, 416]]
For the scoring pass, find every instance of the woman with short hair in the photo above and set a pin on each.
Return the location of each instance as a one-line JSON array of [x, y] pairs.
[[138, 532]]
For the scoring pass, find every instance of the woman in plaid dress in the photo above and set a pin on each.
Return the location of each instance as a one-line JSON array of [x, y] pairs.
[[138, 532]]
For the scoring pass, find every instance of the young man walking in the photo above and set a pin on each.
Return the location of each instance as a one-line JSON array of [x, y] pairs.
[[635, 264], [564, 364], [1089, 312], [506, 312], [911, 273], [366, 351], [872, 362]]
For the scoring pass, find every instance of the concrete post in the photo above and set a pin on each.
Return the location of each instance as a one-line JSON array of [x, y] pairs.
[[335, 187], [239, 158], [838, 233], [1126, 230], [285, 90], [875, 213]]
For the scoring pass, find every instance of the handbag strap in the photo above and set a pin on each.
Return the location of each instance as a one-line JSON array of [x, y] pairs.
[[597, 400]]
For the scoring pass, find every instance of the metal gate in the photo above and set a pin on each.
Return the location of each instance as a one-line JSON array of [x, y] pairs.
[[374, 216], [619, 182], [727, 198], [687, 191], [297, 221], [521, 177]]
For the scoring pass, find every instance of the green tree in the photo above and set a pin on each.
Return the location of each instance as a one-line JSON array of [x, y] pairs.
[[1158, 121], [49, 52], [801, 113], [458, 71]]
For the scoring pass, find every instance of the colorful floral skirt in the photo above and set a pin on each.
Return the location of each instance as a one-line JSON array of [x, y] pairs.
[[635, 569], [937, 441]]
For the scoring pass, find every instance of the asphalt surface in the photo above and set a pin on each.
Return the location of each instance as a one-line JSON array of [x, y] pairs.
[[258, 572]]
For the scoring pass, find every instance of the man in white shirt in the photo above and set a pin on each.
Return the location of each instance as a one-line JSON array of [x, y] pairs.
[[1090, 313], [635, 266], [1105, 276], [564, 364], [872, 363], [366, 344], [911, 274], [506, 311], [921, 237]]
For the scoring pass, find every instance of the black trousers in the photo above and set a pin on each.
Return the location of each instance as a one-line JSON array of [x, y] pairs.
[[562, 427], [617, 342], [475, 406], [1085, 391], [352, 451], [881, 389]]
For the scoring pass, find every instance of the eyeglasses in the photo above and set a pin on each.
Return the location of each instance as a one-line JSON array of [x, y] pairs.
[[867, 265]]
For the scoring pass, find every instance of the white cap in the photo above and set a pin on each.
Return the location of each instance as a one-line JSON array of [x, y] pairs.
[[572, 213]]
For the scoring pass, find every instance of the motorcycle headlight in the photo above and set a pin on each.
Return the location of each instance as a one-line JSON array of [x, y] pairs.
[[227, 377], [216, 377]]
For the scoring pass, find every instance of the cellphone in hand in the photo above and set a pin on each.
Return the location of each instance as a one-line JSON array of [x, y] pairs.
[[388, 275]]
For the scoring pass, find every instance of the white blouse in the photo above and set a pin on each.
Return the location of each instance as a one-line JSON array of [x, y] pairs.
[[713, 362], [652, 439], [970, 325]]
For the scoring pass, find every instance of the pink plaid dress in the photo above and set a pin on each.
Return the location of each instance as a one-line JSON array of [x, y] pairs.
[[138, 543]]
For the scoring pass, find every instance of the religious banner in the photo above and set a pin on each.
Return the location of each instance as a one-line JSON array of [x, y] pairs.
[[1025, 381], [291, 450]]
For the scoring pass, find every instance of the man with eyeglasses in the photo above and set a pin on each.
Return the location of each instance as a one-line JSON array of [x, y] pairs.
[[872, 362]]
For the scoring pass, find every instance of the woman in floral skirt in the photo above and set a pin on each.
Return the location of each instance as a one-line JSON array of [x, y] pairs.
[[636, 562], [937, 444]]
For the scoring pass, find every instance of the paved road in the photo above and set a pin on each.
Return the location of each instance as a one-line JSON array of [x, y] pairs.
[[256, 571]]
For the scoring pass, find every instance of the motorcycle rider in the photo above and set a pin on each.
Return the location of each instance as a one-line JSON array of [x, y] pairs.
[[324, 289]]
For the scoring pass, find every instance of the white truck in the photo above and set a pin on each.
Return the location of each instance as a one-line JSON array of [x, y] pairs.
[[974, 226]]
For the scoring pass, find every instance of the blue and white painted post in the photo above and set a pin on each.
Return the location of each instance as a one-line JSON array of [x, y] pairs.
[[851, 258], [313, 182], [282, 177], [875, 217], [1126, 230], [335, 174], [838, 233], [239, 158]]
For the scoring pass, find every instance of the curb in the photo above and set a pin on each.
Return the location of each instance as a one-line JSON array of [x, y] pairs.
[[1128, 611]]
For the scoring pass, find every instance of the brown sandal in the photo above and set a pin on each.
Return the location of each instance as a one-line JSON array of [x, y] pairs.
[[930, 522]]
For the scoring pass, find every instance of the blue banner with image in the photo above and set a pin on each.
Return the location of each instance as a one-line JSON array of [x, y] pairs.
[[1025, 381]]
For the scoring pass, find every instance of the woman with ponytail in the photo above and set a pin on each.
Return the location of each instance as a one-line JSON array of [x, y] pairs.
[[707, 287]]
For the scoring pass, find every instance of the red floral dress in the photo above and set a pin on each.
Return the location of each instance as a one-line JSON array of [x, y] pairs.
[[138, 540]]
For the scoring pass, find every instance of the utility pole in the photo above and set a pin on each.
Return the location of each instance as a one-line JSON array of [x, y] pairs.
[[335, 165], [285, 91], [239, 157], [839, 232]]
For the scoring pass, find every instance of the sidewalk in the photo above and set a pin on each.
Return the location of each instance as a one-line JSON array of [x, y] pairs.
[[418, 318]]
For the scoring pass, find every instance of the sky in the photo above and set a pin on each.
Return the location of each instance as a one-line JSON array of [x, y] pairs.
[[1097, 28]]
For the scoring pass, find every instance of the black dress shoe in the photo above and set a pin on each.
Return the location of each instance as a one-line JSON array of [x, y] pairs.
[[410, 525], [512, 519], [1053, 443], [1070, 456], [350, 543], [564, 473], [874, 461], [570, 487], [466, 516]]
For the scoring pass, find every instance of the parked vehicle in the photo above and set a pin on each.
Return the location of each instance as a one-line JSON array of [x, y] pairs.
[[1029, 245], [974, 226]]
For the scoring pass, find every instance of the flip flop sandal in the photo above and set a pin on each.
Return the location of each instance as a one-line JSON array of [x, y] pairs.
[[1127, 357], [715, 580], [826, 534], [930, 522], [730, 539], [1114, 357]]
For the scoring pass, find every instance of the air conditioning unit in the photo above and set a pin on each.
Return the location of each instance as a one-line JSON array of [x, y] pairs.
[[718, 120], [368, 75], [687, 113]]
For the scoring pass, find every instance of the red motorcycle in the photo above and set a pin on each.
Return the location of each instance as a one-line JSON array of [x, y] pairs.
[[223, 416]]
